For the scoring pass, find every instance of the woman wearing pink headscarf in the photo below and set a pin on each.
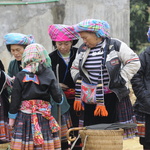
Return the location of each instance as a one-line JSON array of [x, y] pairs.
[[63, 39]]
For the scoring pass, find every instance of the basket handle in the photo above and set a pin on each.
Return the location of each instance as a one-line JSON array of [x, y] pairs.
[[73, 129], [84, 143]]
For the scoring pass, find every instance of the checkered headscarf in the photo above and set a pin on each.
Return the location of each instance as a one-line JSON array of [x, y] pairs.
[[18, 38], [60, 32], [100, 27], [34, 55]]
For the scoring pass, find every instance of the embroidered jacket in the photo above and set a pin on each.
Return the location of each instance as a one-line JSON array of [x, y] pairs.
[[64, 69], [29, 90]]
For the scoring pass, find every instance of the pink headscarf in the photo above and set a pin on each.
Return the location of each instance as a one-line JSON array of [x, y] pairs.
[[59, 32]]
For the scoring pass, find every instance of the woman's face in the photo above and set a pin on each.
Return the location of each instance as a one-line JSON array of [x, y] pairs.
[[90, 39], [17, 51], [64, 46]]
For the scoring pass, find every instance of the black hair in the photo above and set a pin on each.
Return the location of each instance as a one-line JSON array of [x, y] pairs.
[[9, 45], [74, 42], [1, 66]]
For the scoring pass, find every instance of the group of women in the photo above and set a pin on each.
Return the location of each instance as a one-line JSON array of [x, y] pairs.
[[89, 83]]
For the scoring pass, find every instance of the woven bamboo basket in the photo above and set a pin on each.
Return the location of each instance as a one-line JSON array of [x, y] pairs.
[[4, 146], [101, 139]]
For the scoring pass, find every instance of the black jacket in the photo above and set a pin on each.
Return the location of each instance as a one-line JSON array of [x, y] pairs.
[[30, 90], [141, 84], [121, 63], [3, 90], [64, 70]]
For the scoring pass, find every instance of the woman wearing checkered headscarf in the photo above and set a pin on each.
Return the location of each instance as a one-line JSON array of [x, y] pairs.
[[102, 70], [16, 43], [30, 109], [64, 38]]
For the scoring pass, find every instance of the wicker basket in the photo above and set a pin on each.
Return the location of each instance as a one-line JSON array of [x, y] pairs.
[[102, 139], [99, 139], [4, 146]]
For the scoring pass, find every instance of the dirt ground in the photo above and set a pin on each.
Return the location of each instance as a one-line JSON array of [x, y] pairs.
[[132, 144]]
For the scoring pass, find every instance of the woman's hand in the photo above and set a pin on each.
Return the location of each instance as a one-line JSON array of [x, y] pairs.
[[63, 86], [11, 123]]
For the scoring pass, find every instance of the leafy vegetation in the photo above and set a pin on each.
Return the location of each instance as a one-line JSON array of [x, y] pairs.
[[139, 23]]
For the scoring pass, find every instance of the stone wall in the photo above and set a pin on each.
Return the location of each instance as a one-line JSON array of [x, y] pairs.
[[35, 19]]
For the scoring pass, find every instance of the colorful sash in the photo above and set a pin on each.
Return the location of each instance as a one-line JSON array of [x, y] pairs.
[[43, 108]]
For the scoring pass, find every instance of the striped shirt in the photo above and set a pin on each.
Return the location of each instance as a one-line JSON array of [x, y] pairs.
[[97, 73], [94, 65]]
